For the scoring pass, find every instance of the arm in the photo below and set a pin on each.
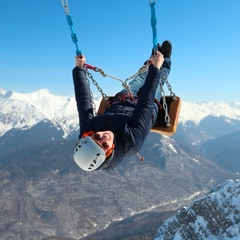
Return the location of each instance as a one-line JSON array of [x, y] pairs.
[[142, 115], [82, 92]]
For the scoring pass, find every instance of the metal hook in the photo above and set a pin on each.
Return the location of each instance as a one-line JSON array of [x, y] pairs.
[[65, 3], [65, 6]]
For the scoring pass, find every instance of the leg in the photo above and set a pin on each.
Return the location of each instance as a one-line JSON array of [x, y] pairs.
[[139, 81], [136, 83]]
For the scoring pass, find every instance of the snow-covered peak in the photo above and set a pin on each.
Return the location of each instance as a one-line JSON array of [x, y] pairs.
[[2, 92], [25, 110], [197, 111], [49, 104], [27, 96], [215, 216], [62, 109]]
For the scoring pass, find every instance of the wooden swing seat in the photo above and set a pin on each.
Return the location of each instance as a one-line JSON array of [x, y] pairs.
[[160, 127]]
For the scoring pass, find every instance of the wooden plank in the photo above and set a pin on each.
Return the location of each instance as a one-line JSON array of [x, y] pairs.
[[174, 107], [160, 126]]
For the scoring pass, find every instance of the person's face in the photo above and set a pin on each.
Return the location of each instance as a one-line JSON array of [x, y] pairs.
[[104, 139]]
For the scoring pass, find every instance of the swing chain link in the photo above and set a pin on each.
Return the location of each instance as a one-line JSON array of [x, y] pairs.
[[165, 107], [170, 89], [124, 83], [106, 75], [143, 69], [104, 96], [140, 71]]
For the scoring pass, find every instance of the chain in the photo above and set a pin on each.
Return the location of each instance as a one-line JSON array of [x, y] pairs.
[[91, 94], [165, 107], [124, 83], [143, 69], [107, 75], [170, 88], [104, 96]]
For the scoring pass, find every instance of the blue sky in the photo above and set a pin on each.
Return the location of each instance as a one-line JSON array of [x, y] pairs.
[[37, 51]]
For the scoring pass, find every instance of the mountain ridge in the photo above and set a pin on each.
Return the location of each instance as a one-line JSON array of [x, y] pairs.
[[62, 109], [46, 196], [42, 184]]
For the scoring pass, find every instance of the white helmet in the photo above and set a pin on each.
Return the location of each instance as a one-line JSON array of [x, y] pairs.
[[88, 155]]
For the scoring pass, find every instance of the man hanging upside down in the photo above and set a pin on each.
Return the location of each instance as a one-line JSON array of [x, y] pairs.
[[104, 140]]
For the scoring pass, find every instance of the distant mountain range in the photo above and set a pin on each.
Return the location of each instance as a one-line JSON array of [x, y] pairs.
[[44, 195], [201, 125], [26, 110]]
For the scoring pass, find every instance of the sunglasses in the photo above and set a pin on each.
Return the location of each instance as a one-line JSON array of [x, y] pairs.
[[104, 145]]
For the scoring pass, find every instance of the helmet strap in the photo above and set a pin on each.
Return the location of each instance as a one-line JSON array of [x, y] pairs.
[[87, 134]]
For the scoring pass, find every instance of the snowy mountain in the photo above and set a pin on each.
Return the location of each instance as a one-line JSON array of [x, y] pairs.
[[196, 112], [215, 216], [44, 195], [54, 117], [26, 110], [2, 91]]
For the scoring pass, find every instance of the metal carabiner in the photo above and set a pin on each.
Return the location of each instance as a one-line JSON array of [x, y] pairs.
[[65, 6], [65, 3]]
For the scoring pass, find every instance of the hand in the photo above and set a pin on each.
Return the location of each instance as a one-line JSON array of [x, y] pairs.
[[157, 59], [80, 61]]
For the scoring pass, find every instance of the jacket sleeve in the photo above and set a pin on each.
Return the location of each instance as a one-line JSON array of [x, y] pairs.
[[82, 95], [141, 120]]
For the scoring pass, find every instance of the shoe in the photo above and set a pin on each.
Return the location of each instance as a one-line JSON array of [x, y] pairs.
[[167, 49]]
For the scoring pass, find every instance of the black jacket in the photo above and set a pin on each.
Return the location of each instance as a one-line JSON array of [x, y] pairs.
[[130, 122]]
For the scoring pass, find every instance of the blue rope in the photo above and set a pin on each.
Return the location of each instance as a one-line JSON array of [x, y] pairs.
[[154, 24], [74, 36], [70, 23]]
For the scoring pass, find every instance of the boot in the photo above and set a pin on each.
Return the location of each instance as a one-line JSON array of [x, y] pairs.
[[166, 49]]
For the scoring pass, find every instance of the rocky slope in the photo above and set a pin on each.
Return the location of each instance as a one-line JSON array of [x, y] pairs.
[[215, 216], [44, 194]]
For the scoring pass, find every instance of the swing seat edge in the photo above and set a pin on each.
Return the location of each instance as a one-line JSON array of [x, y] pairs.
[[173, 111]]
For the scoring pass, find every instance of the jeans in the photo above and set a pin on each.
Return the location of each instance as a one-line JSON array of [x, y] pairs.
[[139, 81]]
